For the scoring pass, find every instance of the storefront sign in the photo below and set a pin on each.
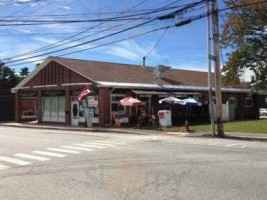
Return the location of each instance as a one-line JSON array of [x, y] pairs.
[[53, 93], [28, 94], [92, 101]]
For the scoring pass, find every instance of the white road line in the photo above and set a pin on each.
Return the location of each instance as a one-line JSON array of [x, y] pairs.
[[15, 161], [64, 150], [244, 146], [107, 142], [234, 144], [90, 146], [101, 144], [2, 167], [46, 153], [22, 155], [77, 148]]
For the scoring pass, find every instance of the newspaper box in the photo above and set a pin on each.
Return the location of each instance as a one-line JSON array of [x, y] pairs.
[[165, 118]]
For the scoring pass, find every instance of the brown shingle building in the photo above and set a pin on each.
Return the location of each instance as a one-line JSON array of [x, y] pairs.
[[49, 93]]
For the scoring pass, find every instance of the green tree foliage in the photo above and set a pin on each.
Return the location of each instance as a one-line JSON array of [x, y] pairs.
[[245, 30], [24, 72], [8, 75]]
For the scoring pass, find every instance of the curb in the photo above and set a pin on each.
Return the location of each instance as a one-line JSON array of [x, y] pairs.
[[81, 130], [234, 137]]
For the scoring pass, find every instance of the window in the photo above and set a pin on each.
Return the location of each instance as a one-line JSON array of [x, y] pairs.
[[54, 109], [249, 102], [115, 102], [232, 100], [92, 103]]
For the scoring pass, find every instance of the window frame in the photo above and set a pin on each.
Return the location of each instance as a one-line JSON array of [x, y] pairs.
[[233, 98], [252, 103]]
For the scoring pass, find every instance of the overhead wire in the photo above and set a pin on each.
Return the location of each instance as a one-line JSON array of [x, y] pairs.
[[181, 23], [59, 43], [186, 7]]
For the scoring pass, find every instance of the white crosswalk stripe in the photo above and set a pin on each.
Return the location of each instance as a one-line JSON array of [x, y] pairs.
[[110, 142], [64, 150], [100, 144], [77, 148], [46, 153], [32, 157], [234, 144], [2, 167], [90, 146], [14, 161]]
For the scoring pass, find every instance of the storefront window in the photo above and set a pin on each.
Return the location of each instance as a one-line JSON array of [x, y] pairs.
[[54, 109], [115, 102], [28, 108], [91, 103]]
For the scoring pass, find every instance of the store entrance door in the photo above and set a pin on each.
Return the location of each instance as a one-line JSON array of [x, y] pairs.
[[75, 113]]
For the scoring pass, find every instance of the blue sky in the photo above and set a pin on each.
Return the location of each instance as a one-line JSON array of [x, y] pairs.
[[183, 47]]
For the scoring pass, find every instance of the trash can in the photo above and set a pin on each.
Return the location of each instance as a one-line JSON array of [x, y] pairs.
[[165, 118]]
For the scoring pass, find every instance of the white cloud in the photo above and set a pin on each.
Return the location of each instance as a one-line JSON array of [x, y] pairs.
[[25, 30], [131, 50], [45, 40], [66, 7]]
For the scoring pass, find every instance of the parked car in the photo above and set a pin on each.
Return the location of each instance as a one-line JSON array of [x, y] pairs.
[[263, 111]]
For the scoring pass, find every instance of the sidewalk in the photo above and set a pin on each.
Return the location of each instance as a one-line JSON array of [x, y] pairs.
[[79, 128], [237, 136]]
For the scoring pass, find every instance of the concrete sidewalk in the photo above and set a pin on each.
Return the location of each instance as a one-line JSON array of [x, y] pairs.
[[79, 128], [237, 136]]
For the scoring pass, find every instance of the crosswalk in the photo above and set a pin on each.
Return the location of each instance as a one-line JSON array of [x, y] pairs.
[[24, 159]]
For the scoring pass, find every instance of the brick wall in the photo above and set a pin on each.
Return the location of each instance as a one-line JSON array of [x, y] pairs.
[[104, 106]]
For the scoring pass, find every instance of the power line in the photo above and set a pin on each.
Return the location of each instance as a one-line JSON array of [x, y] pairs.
[[59, 43], [94, 40], [181, 23]]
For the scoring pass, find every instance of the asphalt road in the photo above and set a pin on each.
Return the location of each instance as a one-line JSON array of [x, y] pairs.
[[60, 165]]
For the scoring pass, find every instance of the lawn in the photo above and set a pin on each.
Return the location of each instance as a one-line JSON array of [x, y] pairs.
[[252, 126]]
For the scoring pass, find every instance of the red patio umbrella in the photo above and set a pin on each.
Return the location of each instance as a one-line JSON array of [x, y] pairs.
[[130, 101]]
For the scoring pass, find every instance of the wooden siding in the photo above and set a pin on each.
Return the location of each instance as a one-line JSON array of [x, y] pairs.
[[56, 74]]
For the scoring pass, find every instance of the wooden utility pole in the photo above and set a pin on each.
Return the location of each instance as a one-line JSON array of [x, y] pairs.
[[218, 78], [211, 105]]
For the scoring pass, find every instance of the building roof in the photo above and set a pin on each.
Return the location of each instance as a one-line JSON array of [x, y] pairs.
[[132, 76], [117, 72]]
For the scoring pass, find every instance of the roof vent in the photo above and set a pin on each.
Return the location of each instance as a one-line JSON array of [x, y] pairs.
[[159, 70]]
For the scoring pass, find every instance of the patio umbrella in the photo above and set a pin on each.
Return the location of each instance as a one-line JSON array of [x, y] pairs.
[[171, 100], [130, 101], [191, 102]]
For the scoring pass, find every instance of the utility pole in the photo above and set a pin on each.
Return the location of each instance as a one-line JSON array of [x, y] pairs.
[[218, 78], [211, 106]]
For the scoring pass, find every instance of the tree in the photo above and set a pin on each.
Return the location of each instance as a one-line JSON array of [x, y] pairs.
[[7, 74], [245, 30], [24, 72]]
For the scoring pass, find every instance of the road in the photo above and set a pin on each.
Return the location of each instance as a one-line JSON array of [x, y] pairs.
[[59, 165]]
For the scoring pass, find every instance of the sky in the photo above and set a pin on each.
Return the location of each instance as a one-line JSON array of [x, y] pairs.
[[179, 47]]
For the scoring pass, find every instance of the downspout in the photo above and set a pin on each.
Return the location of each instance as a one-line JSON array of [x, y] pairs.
[[110, 105]]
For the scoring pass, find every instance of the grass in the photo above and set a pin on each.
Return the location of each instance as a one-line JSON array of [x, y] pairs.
[[252, 126]]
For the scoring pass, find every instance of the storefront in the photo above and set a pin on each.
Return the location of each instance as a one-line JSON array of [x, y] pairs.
[[50, 93]]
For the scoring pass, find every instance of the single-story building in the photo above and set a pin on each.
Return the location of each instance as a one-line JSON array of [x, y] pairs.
[[7, 110], [50, 92]]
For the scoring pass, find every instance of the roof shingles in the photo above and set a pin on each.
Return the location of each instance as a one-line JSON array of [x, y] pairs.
[[116, 72]]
